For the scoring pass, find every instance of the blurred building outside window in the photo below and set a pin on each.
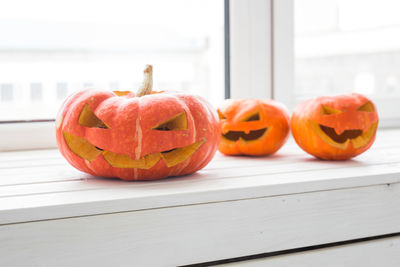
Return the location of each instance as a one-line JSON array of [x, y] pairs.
[[49, 49], [344, 46]]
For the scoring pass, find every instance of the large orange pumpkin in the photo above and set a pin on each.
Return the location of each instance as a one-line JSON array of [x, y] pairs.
[[252, 127], [335, 128], [143, 136]]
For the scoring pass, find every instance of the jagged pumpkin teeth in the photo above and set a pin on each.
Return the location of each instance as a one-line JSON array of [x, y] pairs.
[[335, 128], [365, 138], [84, 149], [142, 135], [317, 129], [81, 147], [125, 161], [179, 155]]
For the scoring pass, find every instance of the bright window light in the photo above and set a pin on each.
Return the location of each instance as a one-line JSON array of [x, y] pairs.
[[49, 49], [346, 46]]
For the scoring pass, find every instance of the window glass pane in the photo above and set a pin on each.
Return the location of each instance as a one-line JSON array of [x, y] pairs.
[[49, 49], [36, 91], [347, 46], [62, 90], [6, 92]]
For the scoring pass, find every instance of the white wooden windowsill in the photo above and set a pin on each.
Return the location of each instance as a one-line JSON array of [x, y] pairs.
[[54, 215]]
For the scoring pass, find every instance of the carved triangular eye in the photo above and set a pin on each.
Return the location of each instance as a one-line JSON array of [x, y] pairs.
[[220, 115], [325, 110], [177, 122], [89, 119], [254, 117], [368, 107]]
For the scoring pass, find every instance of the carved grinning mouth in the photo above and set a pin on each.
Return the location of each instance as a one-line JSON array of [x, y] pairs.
[[356, 136], [81, 147], [252, 135], [340, 138]]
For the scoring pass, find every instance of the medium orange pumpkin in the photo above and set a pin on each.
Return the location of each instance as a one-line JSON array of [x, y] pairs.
[[252, 127], [143, 136], [335, 128]]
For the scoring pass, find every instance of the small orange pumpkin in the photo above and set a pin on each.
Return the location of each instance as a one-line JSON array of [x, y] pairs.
[[143, 136], [335, 128], [252, 127]]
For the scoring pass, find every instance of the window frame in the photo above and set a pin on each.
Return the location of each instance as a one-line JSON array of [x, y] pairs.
[[269, 23], [251, 51], [27, 135]]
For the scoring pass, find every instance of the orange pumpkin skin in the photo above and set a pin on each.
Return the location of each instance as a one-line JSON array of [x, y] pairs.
[[130, 133], [335, 128], [253, 127]]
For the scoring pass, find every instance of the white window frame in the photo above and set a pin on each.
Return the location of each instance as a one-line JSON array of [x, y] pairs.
[[262, 55], [250, 48], [27, 135], [261, 49], [261, 44]]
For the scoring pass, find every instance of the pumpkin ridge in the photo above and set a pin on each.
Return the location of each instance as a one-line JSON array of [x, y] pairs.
[[139, 137]]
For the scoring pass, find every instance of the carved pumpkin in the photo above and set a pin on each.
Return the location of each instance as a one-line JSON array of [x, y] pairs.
[[252, 127], [335, 128], [143, 136]]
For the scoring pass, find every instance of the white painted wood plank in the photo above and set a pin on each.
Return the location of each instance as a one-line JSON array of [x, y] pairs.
[[219, 160], [195, 189], [44, 153], [41, 175], [313, 169], [16, 164], [207, 232], [34, 193], [382, 252], [36, 173], [39, 170], [238, 168], [64, 172]]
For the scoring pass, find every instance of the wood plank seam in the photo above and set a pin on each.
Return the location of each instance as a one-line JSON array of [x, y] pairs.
[[198, 204], [136, 185], [291, 251]]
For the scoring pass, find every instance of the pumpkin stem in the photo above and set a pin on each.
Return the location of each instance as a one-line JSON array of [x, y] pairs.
[[147, 84]]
